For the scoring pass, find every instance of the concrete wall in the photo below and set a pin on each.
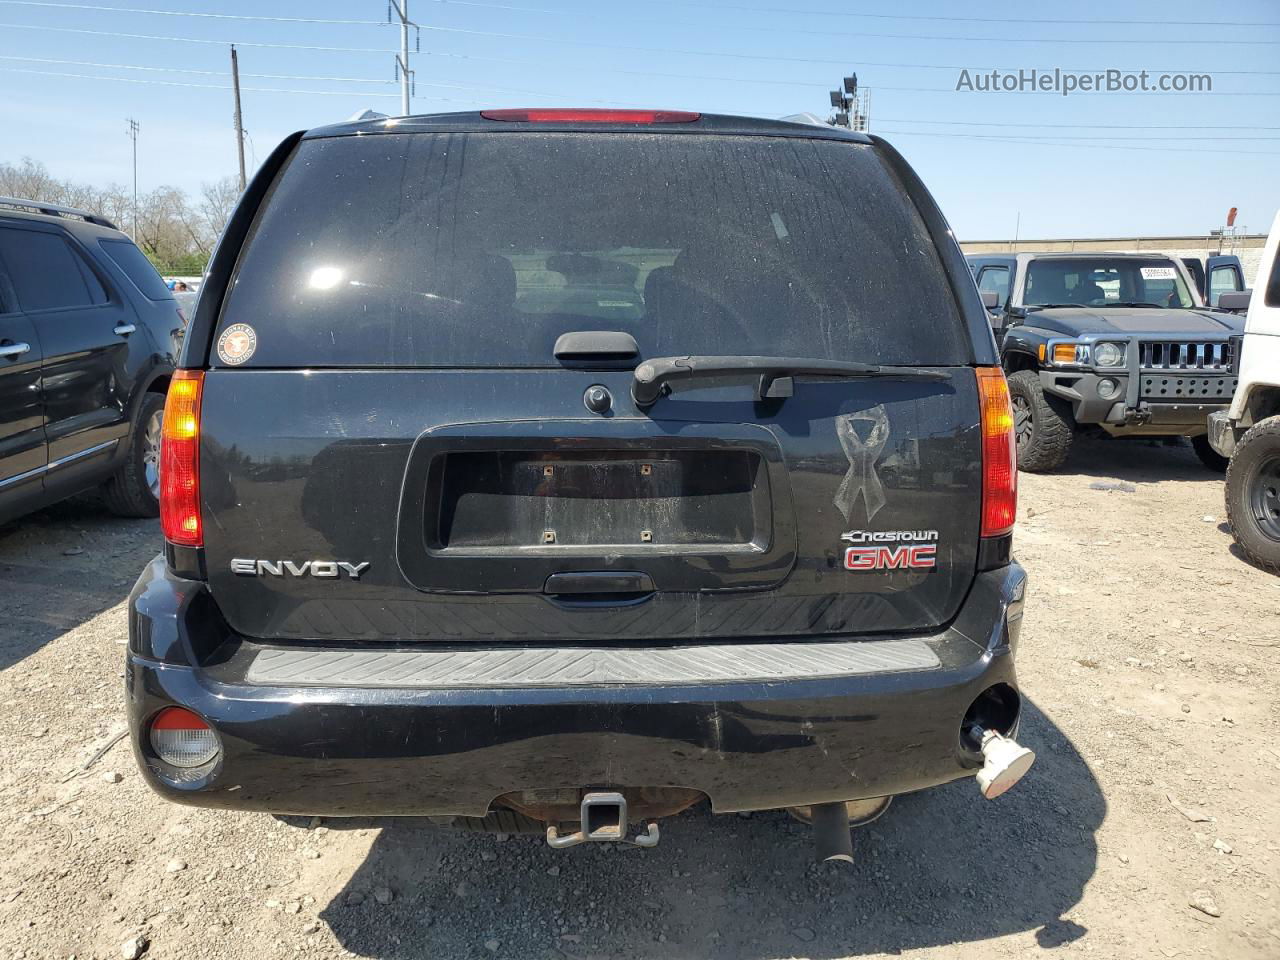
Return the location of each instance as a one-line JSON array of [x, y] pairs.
[[1247, 247]]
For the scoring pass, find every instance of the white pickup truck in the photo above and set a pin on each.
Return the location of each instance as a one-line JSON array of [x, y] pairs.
[[1249, 430]]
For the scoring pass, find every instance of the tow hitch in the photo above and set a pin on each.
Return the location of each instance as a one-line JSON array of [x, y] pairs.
[[603, 820]]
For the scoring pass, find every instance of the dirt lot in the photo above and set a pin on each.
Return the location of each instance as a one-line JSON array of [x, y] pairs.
[[1149, 657]]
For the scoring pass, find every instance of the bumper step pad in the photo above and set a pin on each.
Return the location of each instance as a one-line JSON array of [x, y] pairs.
[[586, 666]]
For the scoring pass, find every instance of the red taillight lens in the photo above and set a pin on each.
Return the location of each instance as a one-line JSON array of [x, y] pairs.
[[181, 739], [999, 454], [180, 461], [575, 115]]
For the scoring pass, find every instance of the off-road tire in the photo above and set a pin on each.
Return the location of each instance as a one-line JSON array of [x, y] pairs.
[[1257, 451], [500, 821], [1051, 428], [128, 493], [1210, 457]]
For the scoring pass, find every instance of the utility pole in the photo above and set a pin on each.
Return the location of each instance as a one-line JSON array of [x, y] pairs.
[[235, 83], [403, 73], [133, 135]]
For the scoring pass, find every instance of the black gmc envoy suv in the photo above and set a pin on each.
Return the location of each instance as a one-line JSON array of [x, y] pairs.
[[561, 469]]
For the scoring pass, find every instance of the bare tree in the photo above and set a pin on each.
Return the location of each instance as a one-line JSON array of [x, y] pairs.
[[174, 232], [217, 200]]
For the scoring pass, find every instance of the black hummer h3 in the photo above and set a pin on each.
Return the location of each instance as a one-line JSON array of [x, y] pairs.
[[1120, 341], [568, 468]]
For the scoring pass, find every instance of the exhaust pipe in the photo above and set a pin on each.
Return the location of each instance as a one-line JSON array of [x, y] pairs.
[[831, 835], [1005, 762]]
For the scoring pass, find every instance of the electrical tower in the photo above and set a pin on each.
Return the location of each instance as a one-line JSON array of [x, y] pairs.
[[403, 73], [852, 106]]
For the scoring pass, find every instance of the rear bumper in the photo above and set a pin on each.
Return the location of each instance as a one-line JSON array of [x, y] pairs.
[[334, 745]]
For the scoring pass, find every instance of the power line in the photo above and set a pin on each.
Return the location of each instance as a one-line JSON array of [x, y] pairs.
[[919, 18], [540, 93], [861, 35], [878, 16], [859, 63], [1089, 146], [291, 76], [1060, 136], [382, 51], [186, 13], [1077, 126], [188, 70], [211, 86]]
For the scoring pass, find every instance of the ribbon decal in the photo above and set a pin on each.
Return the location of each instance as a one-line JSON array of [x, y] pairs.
[[862, 478]]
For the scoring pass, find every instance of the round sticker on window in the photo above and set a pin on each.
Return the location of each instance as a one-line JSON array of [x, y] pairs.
[[237, 343]]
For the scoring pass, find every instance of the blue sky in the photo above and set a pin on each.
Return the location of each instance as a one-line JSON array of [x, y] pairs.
[[1084, 165]]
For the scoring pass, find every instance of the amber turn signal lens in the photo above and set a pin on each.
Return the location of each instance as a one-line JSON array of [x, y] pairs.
[[180, 461], [999, 454], [1064, 353]]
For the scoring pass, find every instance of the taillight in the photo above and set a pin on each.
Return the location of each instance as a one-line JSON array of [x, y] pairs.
[[999, 454], [182, 739], [180, 461], [576, 115]]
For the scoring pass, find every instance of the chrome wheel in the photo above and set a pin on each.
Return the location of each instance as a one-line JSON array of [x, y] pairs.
[[151, 452]]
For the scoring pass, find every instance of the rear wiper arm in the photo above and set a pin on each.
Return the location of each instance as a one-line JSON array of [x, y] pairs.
[[776, 373]]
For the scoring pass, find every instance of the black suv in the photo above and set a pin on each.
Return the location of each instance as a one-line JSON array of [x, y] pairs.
[[558, 468], [1121, 342], [88, 337]]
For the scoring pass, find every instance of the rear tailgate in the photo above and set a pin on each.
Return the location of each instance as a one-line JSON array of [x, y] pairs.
[[400, 457]]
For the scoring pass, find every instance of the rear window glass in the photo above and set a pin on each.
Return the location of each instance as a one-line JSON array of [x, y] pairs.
[[138, 269], [481, 249]]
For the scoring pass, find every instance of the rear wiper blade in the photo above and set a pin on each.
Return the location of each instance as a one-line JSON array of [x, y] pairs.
[[776, 374]]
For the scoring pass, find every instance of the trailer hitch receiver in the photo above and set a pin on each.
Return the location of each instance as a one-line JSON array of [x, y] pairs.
[[603, 820]]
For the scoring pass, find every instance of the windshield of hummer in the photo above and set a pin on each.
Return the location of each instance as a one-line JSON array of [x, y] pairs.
[[1106, 282]]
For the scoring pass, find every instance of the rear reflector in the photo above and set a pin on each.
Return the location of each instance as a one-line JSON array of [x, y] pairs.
[[575, 115], [180, 461], [999, 454], [182, 739]]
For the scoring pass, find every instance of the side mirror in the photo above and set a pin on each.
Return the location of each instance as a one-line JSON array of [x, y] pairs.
[[990, 299], [1234, 300]]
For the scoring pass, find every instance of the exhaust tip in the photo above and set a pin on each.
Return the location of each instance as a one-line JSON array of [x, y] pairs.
[[831, 835], [988, 729], [1005, 763]]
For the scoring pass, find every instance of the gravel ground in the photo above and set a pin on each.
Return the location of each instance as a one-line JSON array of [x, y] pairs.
[[1149, 826]]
